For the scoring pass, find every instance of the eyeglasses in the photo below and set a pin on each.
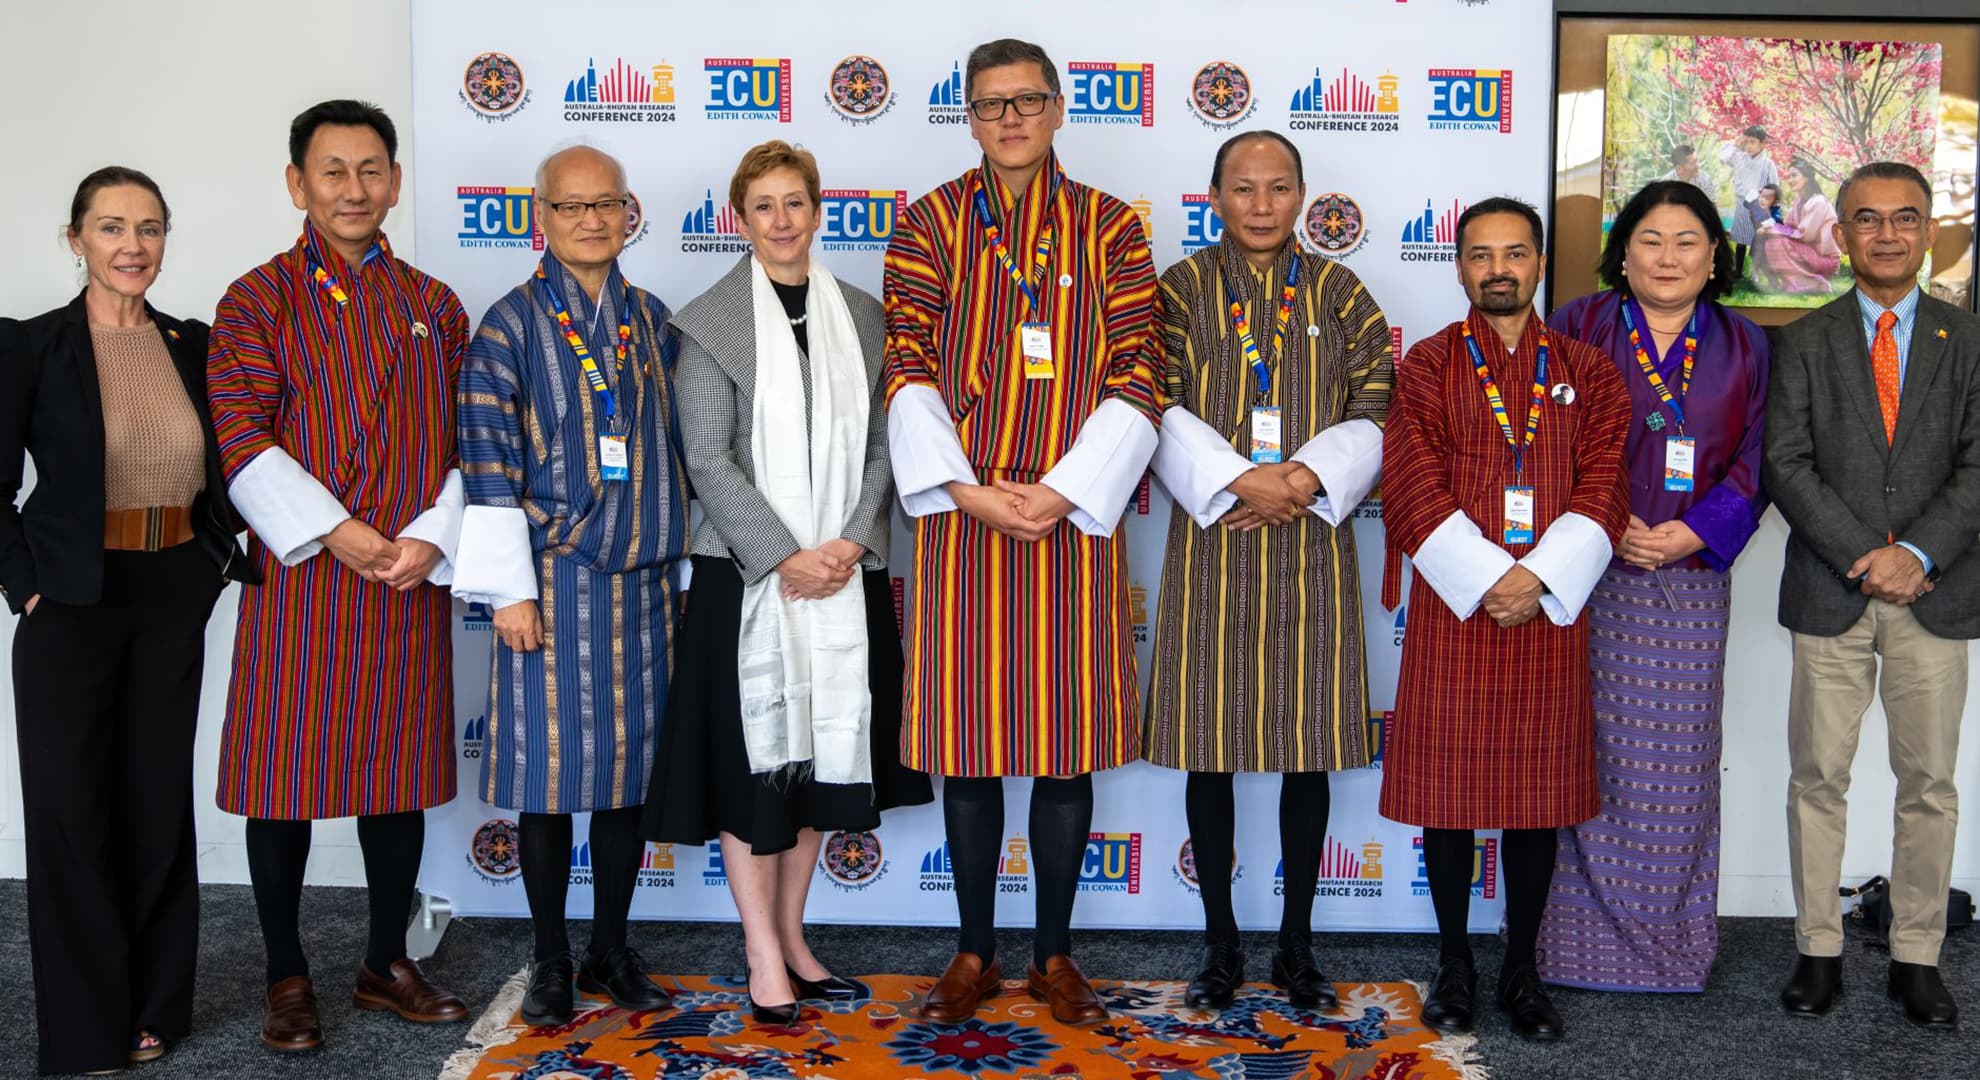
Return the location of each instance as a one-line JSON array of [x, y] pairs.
[[571, 211], [1870, 222], [992, 108]]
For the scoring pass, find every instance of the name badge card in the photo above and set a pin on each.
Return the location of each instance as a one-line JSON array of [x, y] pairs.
[[612, 457], [1519, 515], [1680, 457], [1266, 447], [1036, 338]]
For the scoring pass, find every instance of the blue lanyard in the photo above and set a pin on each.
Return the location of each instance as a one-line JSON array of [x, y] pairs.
[[1497, 401], [583, 352], [1247, 342], [1041, 256]]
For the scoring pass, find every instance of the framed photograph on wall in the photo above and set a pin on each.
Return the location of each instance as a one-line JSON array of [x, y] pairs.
[[1767, 116]]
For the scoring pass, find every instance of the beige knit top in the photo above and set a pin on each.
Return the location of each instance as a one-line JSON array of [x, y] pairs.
[[154, 449]]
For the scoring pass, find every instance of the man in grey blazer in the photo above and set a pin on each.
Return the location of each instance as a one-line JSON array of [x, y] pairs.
[[1873, 456]]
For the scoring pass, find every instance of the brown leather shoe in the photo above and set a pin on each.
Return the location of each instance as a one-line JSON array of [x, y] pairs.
[[408, 994], [289, 1021], [964, 985], [1063, 986]]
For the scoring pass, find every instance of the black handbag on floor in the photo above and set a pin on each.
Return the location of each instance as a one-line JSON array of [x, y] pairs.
[[1873, 908]]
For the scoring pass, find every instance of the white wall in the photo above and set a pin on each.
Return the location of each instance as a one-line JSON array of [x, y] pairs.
[[200, 96]]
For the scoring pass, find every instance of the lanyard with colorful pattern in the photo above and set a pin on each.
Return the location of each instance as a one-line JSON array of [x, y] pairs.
[[1041, 256], [591, 373], [1247, 344], [1498, 401], [1650, 369]]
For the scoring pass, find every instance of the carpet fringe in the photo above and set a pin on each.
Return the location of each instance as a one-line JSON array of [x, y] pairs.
[[1459, 1051], [492, 1029]]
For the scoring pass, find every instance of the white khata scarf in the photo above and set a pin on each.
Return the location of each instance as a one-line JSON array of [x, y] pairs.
[[802, 665]]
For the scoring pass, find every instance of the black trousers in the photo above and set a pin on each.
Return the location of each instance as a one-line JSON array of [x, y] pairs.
[[106, 705]]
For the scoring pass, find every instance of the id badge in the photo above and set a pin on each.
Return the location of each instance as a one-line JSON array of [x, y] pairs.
[[612, 457], [1036, 338], [1519, 515], [1266, 447], [1680, 457]]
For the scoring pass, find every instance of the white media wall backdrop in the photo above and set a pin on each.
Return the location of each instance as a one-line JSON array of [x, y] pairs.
[[1405, 113]]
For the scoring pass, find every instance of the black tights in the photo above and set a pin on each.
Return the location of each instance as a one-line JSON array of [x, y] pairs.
[[278, 851], [1061, 819], [616, 847], [1304, 801], [1528, 857]]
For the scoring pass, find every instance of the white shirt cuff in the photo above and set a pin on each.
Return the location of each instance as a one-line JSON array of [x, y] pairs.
[[495, 564], [289, 509], [1348, 460], [1196, 464], [1460, 564], [1570, 558], [440, 525], [1106, 462], [924, 451]]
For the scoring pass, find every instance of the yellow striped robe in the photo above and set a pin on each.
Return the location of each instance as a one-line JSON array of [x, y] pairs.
[[1020, 657], [1258, 640]]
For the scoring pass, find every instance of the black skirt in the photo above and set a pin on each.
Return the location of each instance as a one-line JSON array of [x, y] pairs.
[[701, 782]]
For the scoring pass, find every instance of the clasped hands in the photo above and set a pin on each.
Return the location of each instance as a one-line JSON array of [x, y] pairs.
[[1271, 495], [1892, 574], [1023, 512], [1650, 548], [403, 563], [820, 572]]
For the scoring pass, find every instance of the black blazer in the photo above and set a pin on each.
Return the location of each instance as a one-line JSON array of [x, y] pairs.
[[1842, 490], [52, 408]]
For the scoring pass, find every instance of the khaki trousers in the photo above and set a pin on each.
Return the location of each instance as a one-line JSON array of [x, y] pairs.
[[1923, 689]]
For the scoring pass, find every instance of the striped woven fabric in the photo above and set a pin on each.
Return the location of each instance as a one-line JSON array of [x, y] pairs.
[[341, 700], [1635, 898], [1258, 644], [1020, 656]]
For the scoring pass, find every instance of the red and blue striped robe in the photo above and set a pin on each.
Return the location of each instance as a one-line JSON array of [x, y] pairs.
[[1020, 656], [341, 701]]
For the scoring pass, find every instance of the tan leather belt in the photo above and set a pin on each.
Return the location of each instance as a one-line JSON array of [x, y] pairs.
[[153, 528]]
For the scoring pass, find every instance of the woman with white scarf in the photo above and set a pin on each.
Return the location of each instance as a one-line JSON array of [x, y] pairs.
[[784, 718]]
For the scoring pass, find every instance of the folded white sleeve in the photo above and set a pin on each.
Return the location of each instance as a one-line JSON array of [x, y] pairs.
[[1460, 564], [1196, 464], [925, 452], [289, 510], [440, 525], [1348, 460], [1570, 558], [1106, 462], [495, 565]]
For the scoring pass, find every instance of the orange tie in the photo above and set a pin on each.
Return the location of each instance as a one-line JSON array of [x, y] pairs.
[[1884, 365]]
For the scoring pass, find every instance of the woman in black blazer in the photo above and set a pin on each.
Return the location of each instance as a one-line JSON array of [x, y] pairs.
[[113, 565]]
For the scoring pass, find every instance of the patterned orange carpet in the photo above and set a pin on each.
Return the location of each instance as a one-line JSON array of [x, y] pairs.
[[1373, 1035]]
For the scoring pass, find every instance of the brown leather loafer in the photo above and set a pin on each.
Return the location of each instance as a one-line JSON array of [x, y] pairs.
[[964, 985], [408, 994], [289, 1020], [1064, 987]]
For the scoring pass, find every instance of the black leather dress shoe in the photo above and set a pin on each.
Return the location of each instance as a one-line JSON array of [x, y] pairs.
[[1527, 1006], [1296, 972], [1924, 996], [621, 975], [1812, 988], [1216, 986], [1451, 1006], [829, 988], [773, 1015], [547, 1001]]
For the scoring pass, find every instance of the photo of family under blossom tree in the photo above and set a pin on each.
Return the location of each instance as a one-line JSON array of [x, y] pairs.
[[1769, 128]]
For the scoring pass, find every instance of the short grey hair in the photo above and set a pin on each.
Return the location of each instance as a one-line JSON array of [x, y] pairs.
[[543, 167]]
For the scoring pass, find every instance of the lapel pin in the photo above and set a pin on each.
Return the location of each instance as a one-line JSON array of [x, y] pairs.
[[419, 329], [174, 334], [1563, 394], [1312, 330], [1065, 281], [1942, 333]]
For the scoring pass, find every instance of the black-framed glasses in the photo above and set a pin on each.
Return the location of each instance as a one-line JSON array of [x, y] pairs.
[[573, 210], [1870, 222], [992, 108]]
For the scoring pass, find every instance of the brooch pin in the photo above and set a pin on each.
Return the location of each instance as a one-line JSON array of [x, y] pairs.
[[419, 329], [1942, 333], [174, 334], [1655, 421], [1065, 281], [1563, 394], [1312, 330]]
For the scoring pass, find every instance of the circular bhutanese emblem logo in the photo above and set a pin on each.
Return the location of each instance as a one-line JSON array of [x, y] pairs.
[[1186, 864], [634, 216], [860, 87], [851, 858], [496, 849], [493, 83], [1221, 92], [1333, 223]]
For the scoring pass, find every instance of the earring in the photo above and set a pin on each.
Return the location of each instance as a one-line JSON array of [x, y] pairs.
[[79, 262]]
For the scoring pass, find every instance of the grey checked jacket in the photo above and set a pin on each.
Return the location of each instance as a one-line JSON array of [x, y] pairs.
[[716, 386]]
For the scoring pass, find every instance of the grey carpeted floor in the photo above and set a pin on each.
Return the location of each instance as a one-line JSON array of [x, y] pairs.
[[1734, 1030]]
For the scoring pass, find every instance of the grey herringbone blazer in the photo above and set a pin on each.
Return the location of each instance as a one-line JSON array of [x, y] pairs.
[[1843, 490], [715, 386]]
